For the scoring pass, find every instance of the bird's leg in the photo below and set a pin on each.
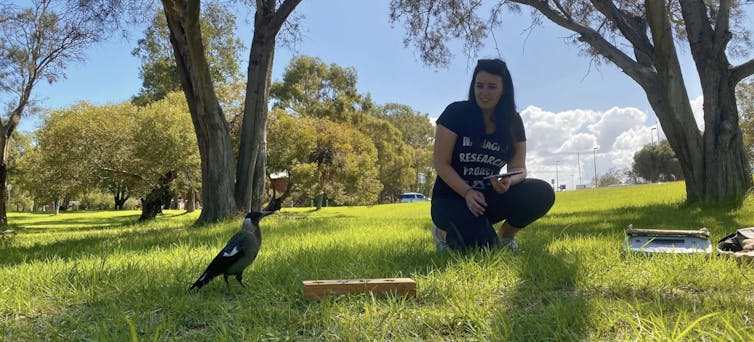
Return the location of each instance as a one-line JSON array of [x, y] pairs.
[[227, 286], [240, 280]]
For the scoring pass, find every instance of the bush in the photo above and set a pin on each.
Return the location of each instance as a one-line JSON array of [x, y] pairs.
[[97, 201]]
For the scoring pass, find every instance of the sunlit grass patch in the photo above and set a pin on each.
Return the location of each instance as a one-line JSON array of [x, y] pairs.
[[100, 276]]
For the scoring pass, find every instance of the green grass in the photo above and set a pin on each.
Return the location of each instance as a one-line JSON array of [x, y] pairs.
[[97, 276]]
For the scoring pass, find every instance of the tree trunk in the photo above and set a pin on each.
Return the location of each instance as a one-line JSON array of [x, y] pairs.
[[4, 195], [252, 156], [212, 131], [668, 97], [318, 201], [713, 163], [191, 201], [120, 200], [727, 177], [250, 174], [6, 132], [155, 200]]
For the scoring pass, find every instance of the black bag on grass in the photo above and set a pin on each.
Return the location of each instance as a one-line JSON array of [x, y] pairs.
[[734, 242]]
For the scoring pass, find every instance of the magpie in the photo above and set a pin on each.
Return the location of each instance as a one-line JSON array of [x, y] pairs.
[[238, 254]]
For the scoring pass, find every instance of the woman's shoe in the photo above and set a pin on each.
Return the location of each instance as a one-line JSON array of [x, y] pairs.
[[509, 243], [440, 244]]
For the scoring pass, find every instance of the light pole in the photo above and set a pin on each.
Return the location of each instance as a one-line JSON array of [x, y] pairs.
[[652, 137], [557, 179], [578, 166], [594, 154]]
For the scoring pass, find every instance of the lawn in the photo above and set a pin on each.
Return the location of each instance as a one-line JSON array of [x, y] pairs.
[[99, 276]]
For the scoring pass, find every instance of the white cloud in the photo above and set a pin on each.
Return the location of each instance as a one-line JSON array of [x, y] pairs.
[[561, 129], [615, 122], [565, 141], [560, 146]]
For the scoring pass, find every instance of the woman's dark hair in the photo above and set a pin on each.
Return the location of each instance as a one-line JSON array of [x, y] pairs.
[[506, 107], [507, 104]]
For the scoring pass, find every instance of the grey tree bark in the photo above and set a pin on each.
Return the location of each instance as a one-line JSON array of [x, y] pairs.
[[212, 131], [250, 174]]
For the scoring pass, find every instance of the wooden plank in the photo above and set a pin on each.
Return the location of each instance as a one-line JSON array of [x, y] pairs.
[[315, 289], [701, 233]]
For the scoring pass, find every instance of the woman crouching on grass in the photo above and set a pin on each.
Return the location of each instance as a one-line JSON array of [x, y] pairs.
[[475, 139]]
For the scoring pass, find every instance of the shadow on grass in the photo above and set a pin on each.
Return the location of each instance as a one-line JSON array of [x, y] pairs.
[[547, 304]]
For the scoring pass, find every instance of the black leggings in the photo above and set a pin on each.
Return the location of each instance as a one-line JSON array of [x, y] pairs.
[[521, 205]]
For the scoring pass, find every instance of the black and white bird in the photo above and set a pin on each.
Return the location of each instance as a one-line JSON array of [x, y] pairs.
[[238, 254]]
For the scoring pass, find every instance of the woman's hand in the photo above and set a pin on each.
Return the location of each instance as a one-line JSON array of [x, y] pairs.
[[501, 185], [475, 201]]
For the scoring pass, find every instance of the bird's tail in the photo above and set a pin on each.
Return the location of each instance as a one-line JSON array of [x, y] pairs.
[[203, 280]]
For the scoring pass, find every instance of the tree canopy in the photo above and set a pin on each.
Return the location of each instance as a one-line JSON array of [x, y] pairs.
[[158, 70], [314, 89], [311, 89], [118, 149], [325, 159], [657, 162]]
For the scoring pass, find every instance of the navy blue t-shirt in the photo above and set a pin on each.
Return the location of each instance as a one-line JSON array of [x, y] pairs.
[[477, 154]]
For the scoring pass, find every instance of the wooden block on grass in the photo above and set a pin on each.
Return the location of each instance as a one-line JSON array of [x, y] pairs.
[[315, 289]]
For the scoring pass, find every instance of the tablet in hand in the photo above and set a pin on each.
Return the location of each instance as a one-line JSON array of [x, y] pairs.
[[503, 175]]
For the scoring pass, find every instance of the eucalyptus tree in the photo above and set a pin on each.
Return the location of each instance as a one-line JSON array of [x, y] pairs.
[[120, 149], [642, 38], [395, 159], [325, 159], [165, 152], [657, 162], [21, 144], [418, 133], [223, 192], [416, 128], [342, 166], [37, 42], [83, 148], [312, 88], [60, 167], [158, 70]]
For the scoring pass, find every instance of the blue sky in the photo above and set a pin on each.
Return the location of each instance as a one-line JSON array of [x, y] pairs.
[[569, 105]]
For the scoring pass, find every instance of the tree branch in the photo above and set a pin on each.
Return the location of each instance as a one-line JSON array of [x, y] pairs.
[[641, 74], [722, 27], [281, 15], [741, 71], [635, 35], [121, 172], [566, 15], [698, 28]]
